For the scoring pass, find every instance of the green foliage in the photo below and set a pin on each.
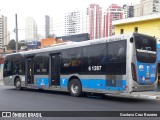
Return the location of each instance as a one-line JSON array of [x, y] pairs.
[[21, 44], [11, 45]]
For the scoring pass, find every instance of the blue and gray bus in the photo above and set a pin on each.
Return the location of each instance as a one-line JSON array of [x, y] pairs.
[[112, 65]]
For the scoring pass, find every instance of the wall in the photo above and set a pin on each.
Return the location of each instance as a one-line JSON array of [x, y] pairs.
[[47, 42], [150, 27]]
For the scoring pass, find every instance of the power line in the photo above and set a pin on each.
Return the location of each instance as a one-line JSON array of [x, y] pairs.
[[43, 27], [58, 29], [8, 34]]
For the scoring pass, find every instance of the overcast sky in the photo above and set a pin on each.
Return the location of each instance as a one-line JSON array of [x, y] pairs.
[[54, 8]]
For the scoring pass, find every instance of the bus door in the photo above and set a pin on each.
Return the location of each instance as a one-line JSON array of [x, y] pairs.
[[55, 69], [29, 71]]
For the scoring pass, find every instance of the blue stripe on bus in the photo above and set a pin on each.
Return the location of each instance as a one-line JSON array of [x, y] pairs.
[[98, 84]]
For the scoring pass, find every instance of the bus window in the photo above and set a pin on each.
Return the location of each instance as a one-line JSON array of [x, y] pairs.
[[71, 60], [7, 68], [18, 65], [118, 53], [145, 48], [94, 59], [41, 64], [116, 58]]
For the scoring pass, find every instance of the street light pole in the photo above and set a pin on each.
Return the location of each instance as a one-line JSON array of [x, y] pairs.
[[16, 31]]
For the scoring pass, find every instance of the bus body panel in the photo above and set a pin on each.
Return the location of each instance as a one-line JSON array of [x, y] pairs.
[[97, 82], [10, 80], [41, 81], [146, 73]]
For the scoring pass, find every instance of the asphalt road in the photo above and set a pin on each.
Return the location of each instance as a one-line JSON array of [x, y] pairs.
[[36, 100]]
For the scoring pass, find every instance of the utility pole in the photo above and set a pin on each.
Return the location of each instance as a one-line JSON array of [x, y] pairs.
[[16, 31]]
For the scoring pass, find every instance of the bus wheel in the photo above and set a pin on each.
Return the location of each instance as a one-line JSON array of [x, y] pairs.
[[18, 84], [75, 88]]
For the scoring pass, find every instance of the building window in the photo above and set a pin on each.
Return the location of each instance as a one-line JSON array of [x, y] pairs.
[[122, 31], [136, 29]]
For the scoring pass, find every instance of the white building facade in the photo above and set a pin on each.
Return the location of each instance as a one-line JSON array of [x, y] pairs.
[[4, 35], [147, 7], [74, 23], [85, 21], [30, 30]]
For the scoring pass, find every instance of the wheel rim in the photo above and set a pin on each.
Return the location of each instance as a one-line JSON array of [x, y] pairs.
[[74, 88], [18, 83]]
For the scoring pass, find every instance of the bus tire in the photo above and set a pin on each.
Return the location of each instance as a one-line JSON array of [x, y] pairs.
[[18, 84], [75, 88]]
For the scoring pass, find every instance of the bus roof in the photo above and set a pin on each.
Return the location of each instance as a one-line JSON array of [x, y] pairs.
[[66, 45]]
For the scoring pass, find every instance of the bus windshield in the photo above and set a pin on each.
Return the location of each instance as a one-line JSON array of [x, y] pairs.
[[146, 48]]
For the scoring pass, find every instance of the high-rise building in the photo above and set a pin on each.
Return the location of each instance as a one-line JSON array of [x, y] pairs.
[[95, 21], [51, 25], [85, 21], [30, 30], [48, 26], [73, 22], [128, 11], [147, 7], [114, 12], [4, 36]]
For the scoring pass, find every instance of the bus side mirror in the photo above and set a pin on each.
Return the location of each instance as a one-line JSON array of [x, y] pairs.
[[131, 39]]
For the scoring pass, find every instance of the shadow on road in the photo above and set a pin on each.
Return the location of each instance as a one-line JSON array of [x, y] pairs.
[[119, 98], [41, 91], [88, 96]]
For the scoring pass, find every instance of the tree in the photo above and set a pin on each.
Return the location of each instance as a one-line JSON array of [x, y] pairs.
[[11, 45], [21, 44]]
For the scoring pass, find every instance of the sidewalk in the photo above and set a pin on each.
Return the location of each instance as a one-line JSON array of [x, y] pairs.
[[150, 94]]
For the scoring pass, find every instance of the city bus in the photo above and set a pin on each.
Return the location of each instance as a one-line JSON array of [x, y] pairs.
[[113, 65]]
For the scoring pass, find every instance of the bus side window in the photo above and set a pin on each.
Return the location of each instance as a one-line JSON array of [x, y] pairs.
[[116, 63], [121, 51], [118, 51], [18, 67], [41, 64], [72, 60], [7, 68], [5, 65], [95, 58]]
